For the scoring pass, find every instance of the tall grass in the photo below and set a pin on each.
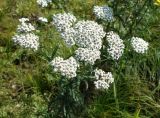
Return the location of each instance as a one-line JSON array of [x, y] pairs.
[[26, 80]]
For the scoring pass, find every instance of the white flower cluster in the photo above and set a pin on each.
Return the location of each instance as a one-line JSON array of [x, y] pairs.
[[104, 13], [67, 67], [43, 3], [116, 46], [24, 37], [63, 21], [25, 26], [87, 55], [23, 20], [69, 36], [139, 45], [89, 34], [86, 34], [42, 19], [103, 79], [28, 40]]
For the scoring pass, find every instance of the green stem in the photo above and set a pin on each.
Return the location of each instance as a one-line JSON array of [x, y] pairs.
[[115, 89], [115, 95]]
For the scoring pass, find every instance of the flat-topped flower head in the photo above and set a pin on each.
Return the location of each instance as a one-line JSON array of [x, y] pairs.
[[69, 36], [43, 3], [22, 20], [28, 40], [87, 55], [56, 61], [89, 34], [116, 46], [25, 26], [103, 79], [104, 13], [63, 21], [67, 67], [139, 45]]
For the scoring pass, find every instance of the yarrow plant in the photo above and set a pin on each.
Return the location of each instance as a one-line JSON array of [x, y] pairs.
[[87, 55], [90, 44], [139, 45], [25, 26], [89, 34], [28, 40], [25, 37], [63, 21], [103, 80], [116, 46], [85, 34], [67, 67], [44, 3], [22, 20], [69, 36], [104, 13]]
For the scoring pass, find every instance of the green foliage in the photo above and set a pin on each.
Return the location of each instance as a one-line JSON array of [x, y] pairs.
[[29, 88]]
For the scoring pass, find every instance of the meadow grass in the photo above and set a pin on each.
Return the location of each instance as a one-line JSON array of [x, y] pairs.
[[25, 83]]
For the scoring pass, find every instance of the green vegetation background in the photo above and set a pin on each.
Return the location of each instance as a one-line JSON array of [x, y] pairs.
[[25, 84]]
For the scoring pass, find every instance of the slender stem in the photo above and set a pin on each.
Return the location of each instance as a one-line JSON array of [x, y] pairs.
[[115, 89], [115, 95]]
